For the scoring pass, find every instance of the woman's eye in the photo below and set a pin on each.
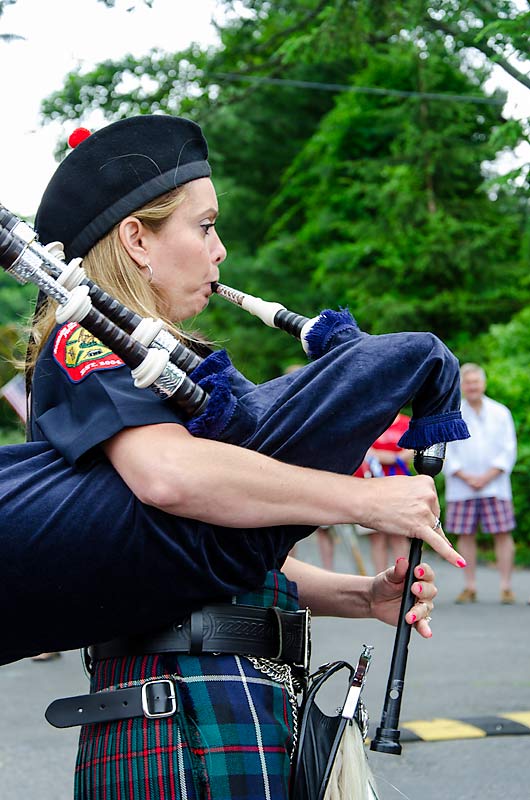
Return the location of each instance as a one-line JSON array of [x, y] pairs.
[[206, 226]]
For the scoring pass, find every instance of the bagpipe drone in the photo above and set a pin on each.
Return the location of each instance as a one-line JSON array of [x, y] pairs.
[[348, 393]]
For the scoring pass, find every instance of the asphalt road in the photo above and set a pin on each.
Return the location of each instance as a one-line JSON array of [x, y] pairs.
[[475, 666]]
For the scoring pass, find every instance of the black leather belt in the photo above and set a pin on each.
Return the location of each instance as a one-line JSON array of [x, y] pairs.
[[154, 699], [246, 630]]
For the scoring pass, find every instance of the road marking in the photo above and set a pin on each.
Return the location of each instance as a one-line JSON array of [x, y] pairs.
[[435, 730], [438, 729], [519, 716]]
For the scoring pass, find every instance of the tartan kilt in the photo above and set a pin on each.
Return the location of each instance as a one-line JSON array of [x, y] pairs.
[[231, 738]]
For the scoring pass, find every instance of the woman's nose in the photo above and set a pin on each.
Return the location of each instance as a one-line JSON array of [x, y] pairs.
[[219, 253]]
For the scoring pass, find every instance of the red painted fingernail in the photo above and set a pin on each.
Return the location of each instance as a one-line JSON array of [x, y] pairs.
[[413, 618], [421, 572], [401, 558], [461, 563], [419, 587], [429, 635]]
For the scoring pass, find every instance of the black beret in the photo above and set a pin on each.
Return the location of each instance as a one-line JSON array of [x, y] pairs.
[[115, 171]]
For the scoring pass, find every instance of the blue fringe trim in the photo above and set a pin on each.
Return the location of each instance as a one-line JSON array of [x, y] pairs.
[[213, 363], [220, 409], [225, 418], [329, 323], [439, 428]]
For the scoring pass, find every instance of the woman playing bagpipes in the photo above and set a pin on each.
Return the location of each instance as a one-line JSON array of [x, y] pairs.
[[201, 705]]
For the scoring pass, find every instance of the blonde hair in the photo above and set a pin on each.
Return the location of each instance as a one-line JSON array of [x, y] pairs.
[[109, 265]]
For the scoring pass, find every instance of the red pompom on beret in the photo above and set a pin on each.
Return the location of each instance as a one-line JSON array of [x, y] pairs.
[[78, 136]]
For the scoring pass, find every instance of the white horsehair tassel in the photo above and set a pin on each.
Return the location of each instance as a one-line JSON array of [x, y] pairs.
[[351, 777]]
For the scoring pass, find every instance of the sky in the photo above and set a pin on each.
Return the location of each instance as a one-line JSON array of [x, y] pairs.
[[63, 35]]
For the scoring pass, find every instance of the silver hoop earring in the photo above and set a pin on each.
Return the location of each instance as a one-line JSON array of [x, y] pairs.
[[148, 266]]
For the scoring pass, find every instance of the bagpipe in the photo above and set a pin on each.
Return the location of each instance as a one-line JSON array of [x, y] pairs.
[[69, 581]]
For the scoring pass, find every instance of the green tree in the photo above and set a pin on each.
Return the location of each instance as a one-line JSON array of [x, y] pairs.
[[384, 208]]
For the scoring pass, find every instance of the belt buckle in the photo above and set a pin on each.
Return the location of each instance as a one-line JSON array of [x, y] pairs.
[[147, 699], [307, 640]]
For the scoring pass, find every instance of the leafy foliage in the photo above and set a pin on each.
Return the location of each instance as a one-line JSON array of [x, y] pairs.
[[387, 199]]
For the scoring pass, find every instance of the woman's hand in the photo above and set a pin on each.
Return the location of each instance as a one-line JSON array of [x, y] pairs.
[[407, 506], [387, 590]]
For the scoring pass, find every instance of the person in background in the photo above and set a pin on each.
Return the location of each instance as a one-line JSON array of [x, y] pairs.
[[385, 457], [478, 489]]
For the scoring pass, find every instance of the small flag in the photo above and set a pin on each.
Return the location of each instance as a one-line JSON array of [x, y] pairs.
[[15, 393]]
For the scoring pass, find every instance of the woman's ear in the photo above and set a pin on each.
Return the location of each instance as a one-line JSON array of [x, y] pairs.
[[131, 233]]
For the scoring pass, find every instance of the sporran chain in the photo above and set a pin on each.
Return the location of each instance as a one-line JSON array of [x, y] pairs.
[[282, 673]]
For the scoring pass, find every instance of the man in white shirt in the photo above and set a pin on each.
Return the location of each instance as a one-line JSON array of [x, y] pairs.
[[477, 482]]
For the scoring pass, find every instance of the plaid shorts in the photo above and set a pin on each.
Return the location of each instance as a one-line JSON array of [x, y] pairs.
[[490, 513], [232, 737]]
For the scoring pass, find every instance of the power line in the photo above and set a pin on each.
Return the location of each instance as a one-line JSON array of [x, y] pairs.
[[339, 87]]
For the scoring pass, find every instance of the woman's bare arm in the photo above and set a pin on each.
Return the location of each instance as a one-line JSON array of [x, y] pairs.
[[356, 596], [222, 484]]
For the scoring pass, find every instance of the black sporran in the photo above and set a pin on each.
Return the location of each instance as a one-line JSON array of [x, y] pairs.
[[330, 762]]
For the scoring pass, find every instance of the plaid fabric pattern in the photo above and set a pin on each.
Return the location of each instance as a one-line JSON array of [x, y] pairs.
[[231, 738], [491, 514]]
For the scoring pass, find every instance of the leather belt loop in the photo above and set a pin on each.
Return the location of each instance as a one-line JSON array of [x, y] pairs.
[[196, 632], [306, 614], [278, 617], [87, 661]]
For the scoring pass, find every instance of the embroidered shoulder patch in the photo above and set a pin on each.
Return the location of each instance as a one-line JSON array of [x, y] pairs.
[[79, 353]]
